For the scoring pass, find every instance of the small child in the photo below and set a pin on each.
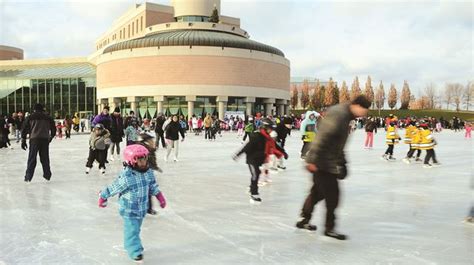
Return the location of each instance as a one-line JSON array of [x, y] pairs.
[[273, 154], [148, 141], [257, 151], [134, 185], [131, 132], [59, 130], [468, 128], [427, 142], [392, 139], [98, 142]]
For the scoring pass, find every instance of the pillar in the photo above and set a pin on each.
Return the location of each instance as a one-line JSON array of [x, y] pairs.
[[249, 101], [190, 99], [281, 103], [221, 102], [133, 104], [269, 105], [113, 103], [159, 104]]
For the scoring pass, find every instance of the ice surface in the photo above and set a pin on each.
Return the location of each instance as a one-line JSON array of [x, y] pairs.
[[393, 213]]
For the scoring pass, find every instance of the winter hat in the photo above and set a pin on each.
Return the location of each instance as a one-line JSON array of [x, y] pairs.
[[107, 107], [117, 109]]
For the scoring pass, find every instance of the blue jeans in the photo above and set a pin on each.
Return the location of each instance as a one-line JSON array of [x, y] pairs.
[[131, 236]]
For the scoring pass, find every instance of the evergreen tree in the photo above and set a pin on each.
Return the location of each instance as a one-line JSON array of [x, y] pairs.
[[214, 16], [369, 91], [344, 93], [405, 97], [355, 89], [329, 94], [316, 96], [380, 97], [392, 97]]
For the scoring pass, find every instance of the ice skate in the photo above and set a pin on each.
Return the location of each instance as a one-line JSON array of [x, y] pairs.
[[255, 199], [139, 259], [88, 169], [406, 160], [391, 158], [165, 158], [175, 159], [418, 160], [333, 234], [437, 164], [304, 224], [151, 212], [384, 157], [281, 167], [112, 158], [102, 171], [427, 166]]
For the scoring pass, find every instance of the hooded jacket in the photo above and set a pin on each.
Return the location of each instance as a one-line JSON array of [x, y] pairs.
[[308, 126], [39, 125]]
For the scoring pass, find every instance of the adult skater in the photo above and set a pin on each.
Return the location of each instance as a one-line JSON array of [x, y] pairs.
[[116, 133], [370, 128], [326, 160], [172, 131], [41, 128], [160, 133], [134, 184]]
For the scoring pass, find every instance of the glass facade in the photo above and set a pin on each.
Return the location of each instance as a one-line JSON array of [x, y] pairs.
[[60, 96], [236, 104], [204, 105], [192, 19]]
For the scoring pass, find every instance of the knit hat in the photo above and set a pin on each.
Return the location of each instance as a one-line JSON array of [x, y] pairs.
[[38, 107], [117, 109], [107, 107]]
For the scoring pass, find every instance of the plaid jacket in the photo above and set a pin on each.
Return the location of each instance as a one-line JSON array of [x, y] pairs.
[[133, 188]]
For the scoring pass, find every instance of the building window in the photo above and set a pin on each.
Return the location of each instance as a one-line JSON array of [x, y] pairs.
[[133, 28], [128, 30], [141, 23], [136, 25]]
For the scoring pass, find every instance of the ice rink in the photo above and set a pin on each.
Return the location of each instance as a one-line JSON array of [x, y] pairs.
[[393, 213]]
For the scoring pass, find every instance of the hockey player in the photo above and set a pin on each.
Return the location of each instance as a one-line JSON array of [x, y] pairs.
[[308, 131], [410, 132], [391, 139], [427, 142]]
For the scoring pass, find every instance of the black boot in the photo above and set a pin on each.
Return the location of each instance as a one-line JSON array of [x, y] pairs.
[[333, 234], [139, 258], [304, 224]]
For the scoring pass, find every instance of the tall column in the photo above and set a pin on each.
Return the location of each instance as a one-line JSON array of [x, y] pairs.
[[249, 102], [221, 101], [269, 105], [190, 100], [281, 106], [133, 104], [159, 104]]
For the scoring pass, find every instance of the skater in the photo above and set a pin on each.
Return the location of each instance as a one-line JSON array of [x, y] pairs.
[[308, 131], [468, 128], [98, 142], [207, 126], [68, 123], [40, 126], [256, 152], [370, 128], [134, 185], [273, 154], [131, 132], [172, 131], [116, 133], [240, 127], [249, 128], [20, 119], [148, 141], [410, 132], [283, 129], [326, 161], [59, 130], [427, 142], [76, 121], [391, 140], [160, 134]]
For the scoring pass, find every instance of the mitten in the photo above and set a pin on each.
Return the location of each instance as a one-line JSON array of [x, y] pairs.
[[161, 198], [342, 172], [102, 202], [24, 146]]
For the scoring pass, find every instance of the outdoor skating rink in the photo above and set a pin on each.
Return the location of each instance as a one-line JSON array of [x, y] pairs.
[[393, 213]]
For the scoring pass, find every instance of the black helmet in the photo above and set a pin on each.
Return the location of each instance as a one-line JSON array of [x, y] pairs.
[[266, 123], [145, 136], [99, 126]]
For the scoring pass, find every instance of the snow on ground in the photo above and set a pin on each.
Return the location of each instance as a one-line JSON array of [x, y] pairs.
[[393, 213]]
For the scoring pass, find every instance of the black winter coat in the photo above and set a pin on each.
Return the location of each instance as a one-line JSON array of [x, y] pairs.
[[39, 125], [254, 149], [173, 129], [159, 124], [116, 129]]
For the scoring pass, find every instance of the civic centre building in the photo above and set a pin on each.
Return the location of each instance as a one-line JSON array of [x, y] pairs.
[[156, 59]]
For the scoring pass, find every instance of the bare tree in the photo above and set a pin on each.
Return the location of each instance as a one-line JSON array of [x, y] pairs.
[[430, 95], [294, 97], [355, 88], [456, 91], [305, 94], [448, 95], [369, 91], [380, 97], [468, 94], [344, 93], [392, 97]]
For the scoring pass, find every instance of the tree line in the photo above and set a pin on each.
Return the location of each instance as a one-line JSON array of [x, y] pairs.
[[316, 96]]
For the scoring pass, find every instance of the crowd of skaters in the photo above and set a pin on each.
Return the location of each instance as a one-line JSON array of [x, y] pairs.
[[263, 140]]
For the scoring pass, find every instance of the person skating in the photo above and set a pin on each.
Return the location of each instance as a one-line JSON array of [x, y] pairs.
[[68, 123], [98, 142], [370, 129], [134, 185], [308, 131], [160, 133], [41, 129], [273, 154], [256, 153], [283, 129], [172, 131], [391, 139], [468, 128], [131, 132], [427, 142], [20, 119], [116, 133], [410, 132], [148, 141], [326, 161], [249, 128], [207, 126]]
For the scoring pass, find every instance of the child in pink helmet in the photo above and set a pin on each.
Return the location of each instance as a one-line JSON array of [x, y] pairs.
[[134, 185]]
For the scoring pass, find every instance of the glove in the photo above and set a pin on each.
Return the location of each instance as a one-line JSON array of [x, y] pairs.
[[24, 146], [102, 202], [161, 198], [182, 140], [342, 172], [235, 157], [285, 155]]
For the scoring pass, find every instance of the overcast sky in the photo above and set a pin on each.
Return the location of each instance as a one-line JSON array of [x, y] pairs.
[[392, 41]]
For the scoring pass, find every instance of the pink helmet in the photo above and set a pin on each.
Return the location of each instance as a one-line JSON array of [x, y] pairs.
[[133, 152]]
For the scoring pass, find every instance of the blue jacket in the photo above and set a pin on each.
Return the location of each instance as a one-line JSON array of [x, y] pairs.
[[133, 188]]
